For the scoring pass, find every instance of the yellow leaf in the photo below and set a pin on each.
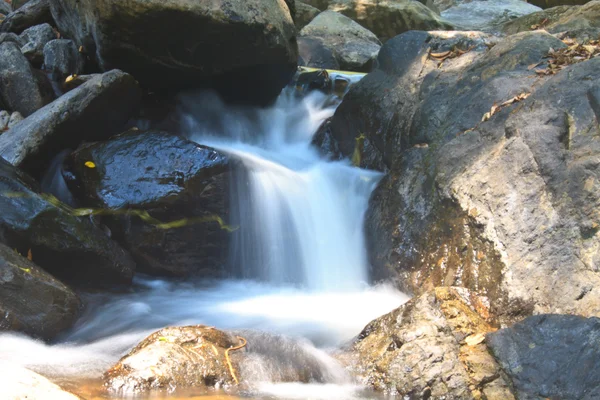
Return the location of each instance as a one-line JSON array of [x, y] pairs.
[[26, 270], [70, 78], [90, 164]]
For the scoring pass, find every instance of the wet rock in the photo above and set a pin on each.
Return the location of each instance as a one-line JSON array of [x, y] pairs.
[[484, 15], [304, 14], [95, 110], [35, 38], [246, 50], [387, 19], [551, 356], [196, 357], [326, 143], [577, 21], [497, 200], [20, 86], [31, 300], [20, 383], [354, 47], [62, 58], [431, 347], [171, 178], [34, 12], [71, 248]]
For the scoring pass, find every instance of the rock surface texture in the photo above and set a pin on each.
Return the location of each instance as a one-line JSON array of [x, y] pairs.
[[20, 383]]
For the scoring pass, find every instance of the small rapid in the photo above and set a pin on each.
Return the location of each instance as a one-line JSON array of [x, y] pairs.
[[298, 265]]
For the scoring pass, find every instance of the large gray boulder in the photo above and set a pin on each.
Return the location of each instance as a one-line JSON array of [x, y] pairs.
[[304, 14], [172, 179], [72, 248], [95, 110], [31, 300], [35, 38], [551, 356], [247, 50], [492, 183], [34, 12], [354, 47], [62, 58], [21, 87]]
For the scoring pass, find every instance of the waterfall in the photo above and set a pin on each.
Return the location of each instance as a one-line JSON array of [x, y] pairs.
[[300, 216]]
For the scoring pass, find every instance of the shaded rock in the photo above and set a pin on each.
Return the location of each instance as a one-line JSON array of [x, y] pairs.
[[34, 12], [354, 47], [62, 58], [431, 347], [504, 206], [35, 39], [315, 53], [326, 143], [486, 15], [20, 86], [304, 14], [387, 19], [246, 50], [11, 37], [74, 81], [556, 3], [16, 4], [551, 356], [577, 21], [5, 8], [4, 119], [195, 357], [71, 248], [95, 110], [20, 383], [31, 300], [171, 178]]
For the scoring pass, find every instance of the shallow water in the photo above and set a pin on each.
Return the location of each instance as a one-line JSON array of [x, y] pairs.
[[298, 265]]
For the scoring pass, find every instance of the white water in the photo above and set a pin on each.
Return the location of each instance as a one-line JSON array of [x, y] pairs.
[[298, 259]]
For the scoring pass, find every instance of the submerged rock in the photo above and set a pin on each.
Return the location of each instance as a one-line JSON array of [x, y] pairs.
[[20, 383], [34, 12], [492, 181], [551, 356], [95, 110], [353, 47], [247, 50], [431, 347], [31, 300], [71, 248], [172, 179], [21, 87]]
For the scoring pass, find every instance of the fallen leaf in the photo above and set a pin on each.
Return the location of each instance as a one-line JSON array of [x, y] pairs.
[[29, 255], [90, 164]]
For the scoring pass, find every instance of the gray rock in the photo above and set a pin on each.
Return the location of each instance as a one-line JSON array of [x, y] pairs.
[[486, 15], [11, 37], [16, 4], [354, 47], [4, 119], [31, 300], [21, 383], [315, 53], [171, 178], [71, 248], [304, 14], [21, 87], [34, 12], [246, 50], [62, 58], [551, 356], [5, 8], [505, 206], [431, 347], [15, 118], [95, 110], [35, 38]]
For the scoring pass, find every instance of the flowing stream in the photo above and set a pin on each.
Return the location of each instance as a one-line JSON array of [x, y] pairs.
[[299, 273]]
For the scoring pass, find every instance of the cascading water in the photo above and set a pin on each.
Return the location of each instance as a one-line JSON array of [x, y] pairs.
[[298, 259]]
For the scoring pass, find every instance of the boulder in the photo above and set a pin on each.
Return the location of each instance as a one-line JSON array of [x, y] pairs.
[[172, 179], [35, 38], [315, 53], [246, 50], [95, 110], [62, 58], [576, 21], [34, 12], [431, 347], [72, 248], [5, 8], [21, 87], [387, 19], [492, 183], [551, 356], [304, 14], [354, 47], [31, 300], [8, 120], [11, 37], [486, 15], [20, 383]]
